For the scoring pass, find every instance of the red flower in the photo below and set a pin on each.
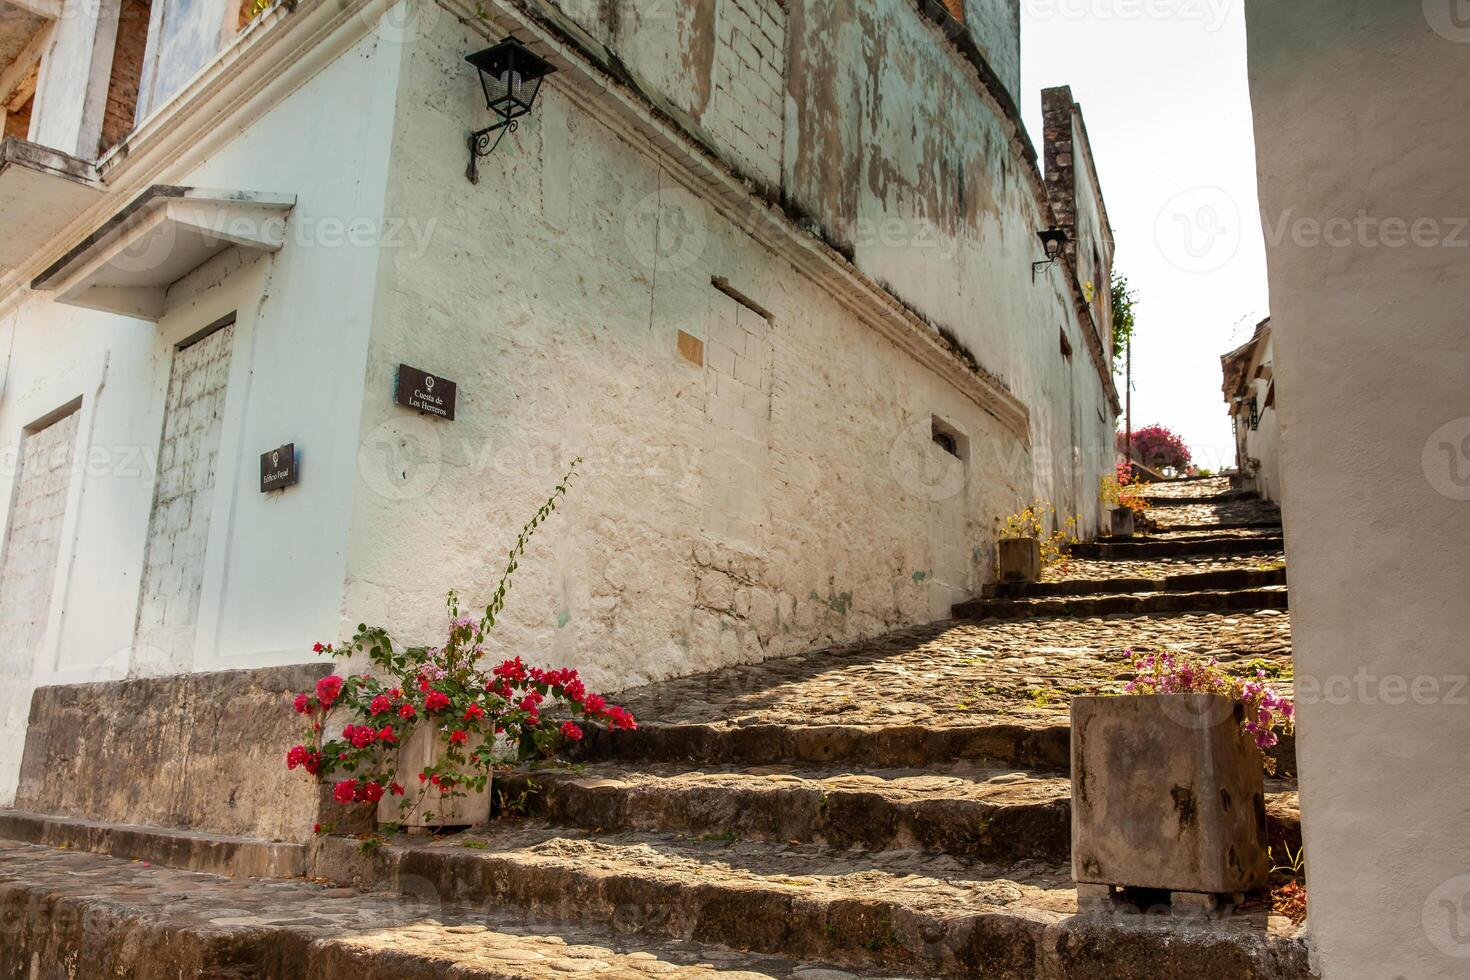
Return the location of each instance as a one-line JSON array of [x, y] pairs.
[[296, 757], [511, 670], [387, 734], [327, 690], [371, 792], [317, 648], [345, 791], [316, 828], [459, 737], [406, 711], [304, 705], [396, 789], [380, 704], [571, 731], [395, 693], [423, 776], [594, 703], [620, 718], [473, 712], [531, 701], [436, 700]]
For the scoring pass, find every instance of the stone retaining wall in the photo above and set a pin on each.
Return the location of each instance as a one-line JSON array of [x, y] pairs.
[[193, 751]]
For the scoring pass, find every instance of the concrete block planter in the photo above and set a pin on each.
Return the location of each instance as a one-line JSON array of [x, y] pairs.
[[1122, 522], [1167, 795], [422, 802], [1020, 559]]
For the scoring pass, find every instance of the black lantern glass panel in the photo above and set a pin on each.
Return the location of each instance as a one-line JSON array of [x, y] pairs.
[[511, 75]]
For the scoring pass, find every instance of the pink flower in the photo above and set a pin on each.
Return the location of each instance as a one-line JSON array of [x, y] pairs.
[[345, 791]]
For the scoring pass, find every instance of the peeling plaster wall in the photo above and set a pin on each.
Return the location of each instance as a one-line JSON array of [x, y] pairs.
[[995, 27], [895, 150], [783, 494], [715, 66]]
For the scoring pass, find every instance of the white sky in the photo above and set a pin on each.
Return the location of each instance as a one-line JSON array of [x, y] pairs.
[[1162, 85]]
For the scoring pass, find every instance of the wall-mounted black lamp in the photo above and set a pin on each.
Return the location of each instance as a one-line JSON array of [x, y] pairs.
[[1052, 240], [511, 75]]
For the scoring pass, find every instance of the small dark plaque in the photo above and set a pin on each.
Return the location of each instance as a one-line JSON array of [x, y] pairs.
[[278, 468], [425, 392]]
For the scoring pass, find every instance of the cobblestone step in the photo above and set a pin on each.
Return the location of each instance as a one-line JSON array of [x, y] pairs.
[[72, 915], [931, 915], [1163, 547], [1044, 745], [1039, 745], [1208, 527], [1143, 603], [1232, 578], [968, 812]]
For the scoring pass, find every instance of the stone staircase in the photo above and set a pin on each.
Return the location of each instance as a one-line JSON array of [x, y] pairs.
[[897, 807]]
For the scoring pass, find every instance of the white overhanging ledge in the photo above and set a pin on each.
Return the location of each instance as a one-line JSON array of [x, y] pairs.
[[41, 191], [127, 265]]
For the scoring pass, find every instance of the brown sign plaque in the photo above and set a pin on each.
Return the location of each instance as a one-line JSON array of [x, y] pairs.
[[278, 468], [425, 392]]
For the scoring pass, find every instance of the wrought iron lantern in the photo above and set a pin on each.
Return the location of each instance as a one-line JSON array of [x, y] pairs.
[[1052, 240], [511, 75]]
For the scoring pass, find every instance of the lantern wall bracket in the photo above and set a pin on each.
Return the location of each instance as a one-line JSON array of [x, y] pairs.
[[482, 146]]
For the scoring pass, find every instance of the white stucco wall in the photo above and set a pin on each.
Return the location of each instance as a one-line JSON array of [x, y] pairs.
[[272, 581], [783, 495], [1359, 118]]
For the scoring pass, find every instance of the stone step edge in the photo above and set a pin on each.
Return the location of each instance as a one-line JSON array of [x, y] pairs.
[[1233, 496], [1227, 578], [1044, 747], [189, 850], [1231, 600], [989, 829], [1176, 548], [855, 932], [53, 925]]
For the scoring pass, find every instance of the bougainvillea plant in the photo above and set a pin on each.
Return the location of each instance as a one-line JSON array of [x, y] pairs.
[[480, 716], [1266, 710], [1123, 489], [1158, 447], [1029, 522]]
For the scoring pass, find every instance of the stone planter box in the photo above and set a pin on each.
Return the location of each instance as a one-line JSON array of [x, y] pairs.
[[1020, 559], [1122, 522], [1167, 794], [422, 801]]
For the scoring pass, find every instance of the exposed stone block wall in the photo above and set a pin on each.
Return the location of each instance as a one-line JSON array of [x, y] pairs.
[[179, 527], [194, 751], [748, 106], [28, 566]]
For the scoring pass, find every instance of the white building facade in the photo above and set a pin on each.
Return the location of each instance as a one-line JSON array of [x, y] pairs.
[[766, 267], [1250, 395]]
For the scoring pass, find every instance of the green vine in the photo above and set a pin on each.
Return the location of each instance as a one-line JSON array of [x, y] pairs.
[[1123, 301], [518, 550]]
